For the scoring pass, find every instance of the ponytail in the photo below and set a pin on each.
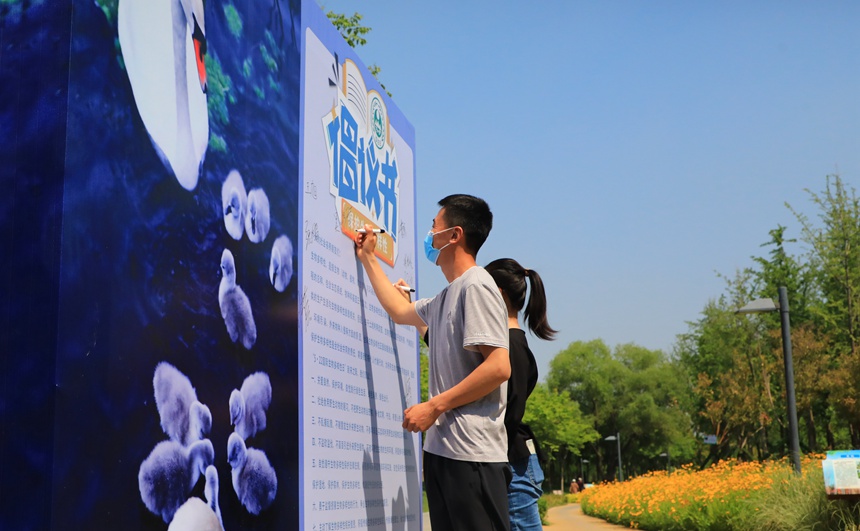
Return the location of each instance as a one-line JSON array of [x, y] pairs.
[[510, 277]]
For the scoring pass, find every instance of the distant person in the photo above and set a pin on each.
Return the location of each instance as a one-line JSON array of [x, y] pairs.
[[465, 451], [580, 484], [525, 490], [574, 486]]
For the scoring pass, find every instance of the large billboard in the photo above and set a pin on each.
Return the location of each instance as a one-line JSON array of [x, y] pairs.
[[159, 330], [359, 371]]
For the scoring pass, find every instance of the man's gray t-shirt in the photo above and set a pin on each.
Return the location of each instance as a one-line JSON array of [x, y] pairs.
[[469, 312]]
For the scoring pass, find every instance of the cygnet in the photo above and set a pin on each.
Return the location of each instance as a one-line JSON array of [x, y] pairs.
[[254, 479], [281, 263], [234, 204], [170, 472], [248, 405], [235, 306], [183, 418], [257, 218]]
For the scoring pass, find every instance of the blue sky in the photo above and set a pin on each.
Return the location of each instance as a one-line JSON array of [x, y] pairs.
[[629, 150]]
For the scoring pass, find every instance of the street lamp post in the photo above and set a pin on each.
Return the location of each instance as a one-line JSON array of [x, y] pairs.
[[617, 437], [767, 305], [581, 461], [666, 455]]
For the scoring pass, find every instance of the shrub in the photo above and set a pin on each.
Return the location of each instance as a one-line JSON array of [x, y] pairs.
[[730, 495]]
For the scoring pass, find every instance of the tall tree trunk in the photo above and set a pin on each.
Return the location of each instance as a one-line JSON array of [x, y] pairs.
[[811, 436]]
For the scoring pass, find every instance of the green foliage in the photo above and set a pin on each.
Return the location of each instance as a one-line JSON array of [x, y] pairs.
[[219, 87], [557, 421], [543, 508], [350, 28], [425, 371], [268, 59], [835, 254], [108, 7], [734, 364], [217, 142], [799, 503], [632, 390], [234, 20], [353, 32]]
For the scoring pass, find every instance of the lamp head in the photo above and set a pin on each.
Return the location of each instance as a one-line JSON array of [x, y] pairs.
[[759, 306]]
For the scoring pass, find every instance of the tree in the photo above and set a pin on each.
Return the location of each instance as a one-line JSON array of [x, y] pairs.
[[353, 32], [632, 390], [559, 426], [732, 362], [835, 255], [350, 28]]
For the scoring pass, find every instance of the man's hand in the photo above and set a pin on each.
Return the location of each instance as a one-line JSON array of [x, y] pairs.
[[365, 243], [420, 417]]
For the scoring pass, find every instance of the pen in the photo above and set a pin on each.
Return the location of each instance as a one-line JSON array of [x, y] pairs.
[[407, 288], [375, 231]]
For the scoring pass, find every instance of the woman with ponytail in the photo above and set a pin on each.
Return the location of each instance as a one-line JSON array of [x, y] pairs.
[[515, 282]]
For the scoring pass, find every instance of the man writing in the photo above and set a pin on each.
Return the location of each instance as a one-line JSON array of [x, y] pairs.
[[465, 453]]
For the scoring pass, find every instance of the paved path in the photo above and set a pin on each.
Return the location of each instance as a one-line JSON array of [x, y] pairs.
[[564, 518], [570, 517]]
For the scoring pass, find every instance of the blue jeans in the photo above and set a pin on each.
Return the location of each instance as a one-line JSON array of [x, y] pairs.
[[523, 493]]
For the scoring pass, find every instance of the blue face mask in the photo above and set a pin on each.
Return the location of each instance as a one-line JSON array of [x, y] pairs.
[[430, 252]]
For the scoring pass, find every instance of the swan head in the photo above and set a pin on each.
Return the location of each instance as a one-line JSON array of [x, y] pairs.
[[257, 217], [281, 264], [252, 214], [276, 268], [237, 407], [236, 450], [201, 420], [234, 205], [194, 17], [201, 454], [228, 266]]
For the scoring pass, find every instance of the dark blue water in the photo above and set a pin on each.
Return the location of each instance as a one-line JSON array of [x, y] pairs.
[[32, 142], [140, 272]]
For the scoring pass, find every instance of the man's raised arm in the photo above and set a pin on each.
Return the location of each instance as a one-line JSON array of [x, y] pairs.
[[400, 310]]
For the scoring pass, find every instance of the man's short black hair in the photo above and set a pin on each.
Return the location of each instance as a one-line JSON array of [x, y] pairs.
[[472, 214]]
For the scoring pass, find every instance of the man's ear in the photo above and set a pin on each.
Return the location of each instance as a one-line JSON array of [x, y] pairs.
[[457, 234]]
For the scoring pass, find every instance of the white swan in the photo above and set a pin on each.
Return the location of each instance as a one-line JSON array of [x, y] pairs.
[[234, 203], [163, 45], [183, 418], [195, 515], [248, 406], [281, 263], [170, 472], [235, 306], [257, 218], [254, 478], [210, 491]]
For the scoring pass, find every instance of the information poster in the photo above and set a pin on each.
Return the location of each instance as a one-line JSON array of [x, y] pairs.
[[359, 371], [841, 472]]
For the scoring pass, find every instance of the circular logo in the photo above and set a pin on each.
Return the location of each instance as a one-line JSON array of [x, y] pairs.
[[377, 121]]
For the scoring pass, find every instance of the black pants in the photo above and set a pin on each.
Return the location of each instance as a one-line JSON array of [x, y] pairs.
[[465, 495]]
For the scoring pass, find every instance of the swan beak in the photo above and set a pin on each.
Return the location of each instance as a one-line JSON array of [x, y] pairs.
[[199, 53]]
